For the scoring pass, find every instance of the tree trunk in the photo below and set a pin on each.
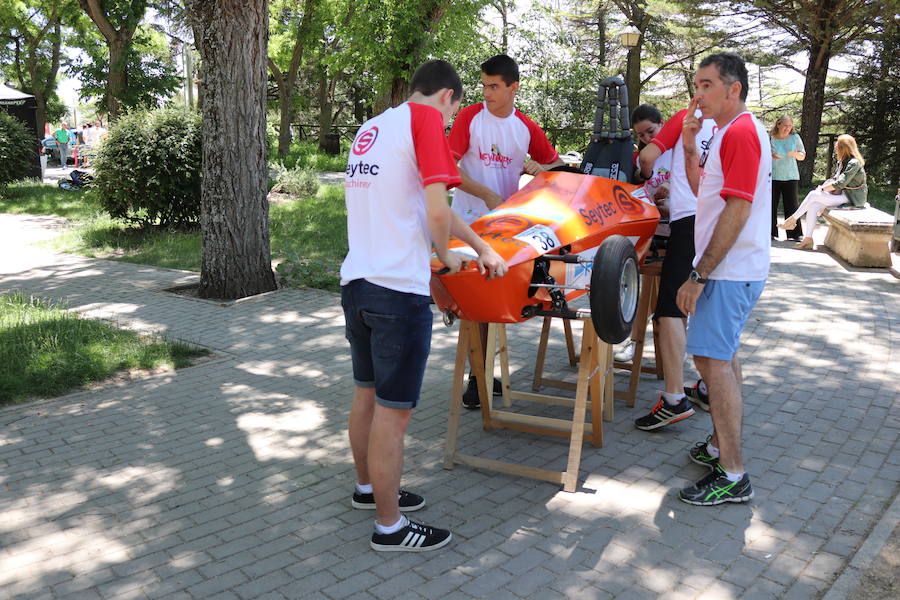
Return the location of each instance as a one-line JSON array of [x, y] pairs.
[[118, 77], [286, 114], [399, 90], [324, 112], [601, 34], [41, 113], [236, 261], [633, 76], [813, 102]]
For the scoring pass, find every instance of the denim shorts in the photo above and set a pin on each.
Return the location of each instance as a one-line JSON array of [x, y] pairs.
[[390, 337], [723, 308]]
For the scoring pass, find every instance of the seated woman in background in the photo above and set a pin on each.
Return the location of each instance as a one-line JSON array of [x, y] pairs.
[[847, 186]]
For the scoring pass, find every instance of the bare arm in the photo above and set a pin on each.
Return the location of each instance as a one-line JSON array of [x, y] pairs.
[[647, 158], [491, 198], [729, 226], [439, 217], [689, 142]]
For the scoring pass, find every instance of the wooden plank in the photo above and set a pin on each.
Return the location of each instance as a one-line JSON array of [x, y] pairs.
[[462, 347], [570, 342], [489, 357], [509, 468], [541, 355], [476, 362], [513, 418], [504, 367]]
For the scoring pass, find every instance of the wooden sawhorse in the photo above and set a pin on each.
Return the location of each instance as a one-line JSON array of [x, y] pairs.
[[650, 273], [594, 379]]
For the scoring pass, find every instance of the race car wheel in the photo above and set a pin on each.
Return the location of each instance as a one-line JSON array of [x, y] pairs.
[[615, 287]]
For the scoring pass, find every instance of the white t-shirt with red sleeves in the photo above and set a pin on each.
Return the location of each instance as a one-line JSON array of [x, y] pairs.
[[682, 202], [492, 150], [393, 157], [739, 163]]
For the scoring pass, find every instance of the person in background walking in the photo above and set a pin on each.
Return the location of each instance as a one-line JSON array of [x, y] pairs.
[[787, 149], [848, 186]]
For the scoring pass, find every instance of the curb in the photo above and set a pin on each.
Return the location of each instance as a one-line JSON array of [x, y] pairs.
[[849, 579]]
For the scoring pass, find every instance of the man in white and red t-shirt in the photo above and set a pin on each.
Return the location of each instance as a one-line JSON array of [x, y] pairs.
[[398, 172], [491, 140], [733, 185], [673, 405]]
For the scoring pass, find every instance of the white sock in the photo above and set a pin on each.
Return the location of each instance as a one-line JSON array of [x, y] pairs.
[[712, 450], [364, 489], [733, 476], [400, 524], [672, 399]]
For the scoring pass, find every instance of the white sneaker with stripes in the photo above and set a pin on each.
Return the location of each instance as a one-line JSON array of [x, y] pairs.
[[414, 537]]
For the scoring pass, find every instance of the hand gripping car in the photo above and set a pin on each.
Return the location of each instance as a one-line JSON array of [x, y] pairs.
[[563, 235]]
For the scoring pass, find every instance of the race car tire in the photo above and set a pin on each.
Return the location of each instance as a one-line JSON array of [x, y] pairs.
[[615, 288]]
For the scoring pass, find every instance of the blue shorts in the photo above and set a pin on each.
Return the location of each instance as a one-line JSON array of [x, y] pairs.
[[723, 307], [390, 337]]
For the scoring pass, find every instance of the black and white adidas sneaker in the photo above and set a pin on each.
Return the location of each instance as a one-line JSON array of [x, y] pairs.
[[407, 501], [414, 537]]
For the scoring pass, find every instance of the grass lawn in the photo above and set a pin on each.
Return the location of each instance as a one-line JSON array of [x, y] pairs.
[[46, 351], [308, 237]]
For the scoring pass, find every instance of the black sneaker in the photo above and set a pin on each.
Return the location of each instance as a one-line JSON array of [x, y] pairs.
[[470, 397], [664, 414], [699, 394], [415, 537], [700, 455], [715, 488], [408, 501]]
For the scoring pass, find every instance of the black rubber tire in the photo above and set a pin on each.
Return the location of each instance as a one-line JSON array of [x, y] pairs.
[[615, 289]]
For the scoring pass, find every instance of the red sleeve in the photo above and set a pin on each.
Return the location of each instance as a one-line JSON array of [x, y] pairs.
[[671, 131], [539, 147], [459, 133], [436, 165], [740, 154]]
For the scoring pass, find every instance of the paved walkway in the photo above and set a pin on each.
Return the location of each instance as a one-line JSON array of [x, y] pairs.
[[231, 479]]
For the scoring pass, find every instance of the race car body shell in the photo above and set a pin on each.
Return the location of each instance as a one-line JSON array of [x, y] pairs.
[[556, 210]]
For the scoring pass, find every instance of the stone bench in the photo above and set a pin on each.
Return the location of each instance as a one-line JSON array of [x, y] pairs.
[[860, 236]]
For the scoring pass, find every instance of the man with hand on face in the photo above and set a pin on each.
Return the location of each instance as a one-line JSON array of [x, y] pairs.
[[673, 405], [491, 140], [732, 181], [398, 172]]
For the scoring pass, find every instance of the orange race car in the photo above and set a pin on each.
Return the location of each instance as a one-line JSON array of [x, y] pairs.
[[562, 235]]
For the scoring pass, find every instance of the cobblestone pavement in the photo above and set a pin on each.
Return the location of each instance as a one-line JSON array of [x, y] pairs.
[[232, 479]]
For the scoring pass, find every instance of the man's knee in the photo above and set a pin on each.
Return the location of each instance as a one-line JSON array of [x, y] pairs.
[[395, 417]]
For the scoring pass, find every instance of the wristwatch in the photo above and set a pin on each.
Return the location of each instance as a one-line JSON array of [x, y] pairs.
[[695, 277]]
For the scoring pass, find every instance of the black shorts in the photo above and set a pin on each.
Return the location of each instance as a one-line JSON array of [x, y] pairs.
[[676, 268]]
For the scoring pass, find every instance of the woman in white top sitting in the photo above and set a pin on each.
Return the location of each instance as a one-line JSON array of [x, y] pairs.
[[848, 186]]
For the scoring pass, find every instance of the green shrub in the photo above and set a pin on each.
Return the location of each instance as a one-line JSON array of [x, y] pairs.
[[17, 149], [148, 169], [295, 182], [307, 155]]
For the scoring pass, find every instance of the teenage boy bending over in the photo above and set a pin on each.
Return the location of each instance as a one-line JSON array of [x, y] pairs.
[[398, 173]]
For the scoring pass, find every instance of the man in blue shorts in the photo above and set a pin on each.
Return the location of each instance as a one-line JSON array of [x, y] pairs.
[[398, 173], [732, 181]]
